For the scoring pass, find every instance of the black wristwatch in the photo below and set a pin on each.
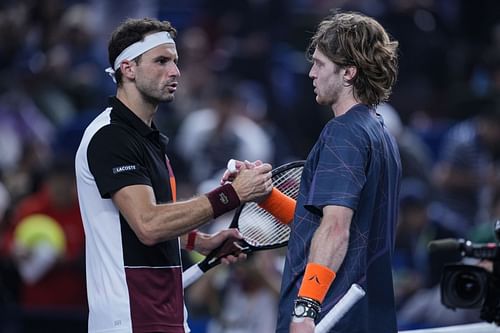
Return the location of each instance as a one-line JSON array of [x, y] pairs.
[[305, 308]]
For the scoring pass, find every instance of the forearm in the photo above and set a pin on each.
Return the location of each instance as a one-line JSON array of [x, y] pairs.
[[167, 221], [329, 245], [153, 223], [327, 252]]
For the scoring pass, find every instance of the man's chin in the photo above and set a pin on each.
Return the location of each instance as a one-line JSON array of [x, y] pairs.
[[320, 101], [167, 99]]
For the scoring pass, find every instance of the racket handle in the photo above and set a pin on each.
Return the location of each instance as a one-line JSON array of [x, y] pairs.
[[191, 274], [353, 295], [231, 246]]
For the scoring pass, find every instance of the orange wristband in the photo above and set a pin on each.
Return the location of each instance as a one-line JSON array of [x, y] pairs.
[[280, 206], [316, 282]]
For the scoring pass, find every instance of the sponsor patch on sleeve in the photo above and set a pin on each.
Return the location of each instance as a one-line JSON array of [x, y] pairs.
[[124, 168]]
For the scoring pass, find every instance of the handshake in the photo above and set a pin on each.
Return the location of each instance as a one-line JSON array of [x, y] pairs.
[[273, 201]]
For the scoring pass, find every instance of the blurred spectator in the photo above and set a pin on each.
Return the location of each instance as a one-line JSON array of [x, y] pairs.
[[46, 243], [197, 72], [409, 260], [243, 298], [467, 173], [25, 138], [8, 274], [209, 137], [415, 155]]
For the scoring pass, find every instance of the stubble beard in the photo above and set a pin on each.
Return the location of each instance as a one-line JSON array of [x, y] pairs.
[[155, 96], [328, 100]]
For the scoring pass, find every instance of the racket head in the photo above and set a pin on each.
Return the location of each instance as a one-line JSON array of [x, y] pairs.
[[259, 228]]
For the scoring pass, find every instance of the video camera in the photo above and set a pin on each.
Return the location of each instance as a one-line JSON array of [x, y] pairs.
[[471, 286]]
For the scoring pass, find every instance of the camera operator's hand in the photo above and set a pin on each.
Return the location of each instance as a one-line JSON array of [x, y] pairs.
[[487, 265]]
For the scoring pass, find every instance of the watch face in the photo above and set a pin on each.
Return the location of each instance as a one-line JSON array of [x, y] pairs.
[[300, 309]]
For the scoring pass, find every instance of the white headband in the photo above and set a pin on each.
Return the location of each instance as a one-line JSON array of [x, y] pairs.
[[138, 48]]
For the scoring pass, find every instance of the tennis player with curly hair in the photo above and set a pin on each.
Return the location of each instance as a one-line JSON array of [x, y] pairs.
[[343, 228]]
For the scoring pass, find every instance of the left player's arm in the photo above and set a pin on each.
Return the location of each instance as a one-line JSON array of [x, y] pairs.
[[205, 243], [327, 252]]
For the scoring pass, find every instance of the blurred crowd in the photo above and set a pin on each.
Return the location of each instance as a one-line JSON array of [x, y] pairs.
[[244, 93]]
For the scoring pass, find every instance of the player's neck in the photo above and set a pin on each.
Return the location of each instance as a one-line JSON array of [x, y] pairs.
[[134, 101], [343, 105]]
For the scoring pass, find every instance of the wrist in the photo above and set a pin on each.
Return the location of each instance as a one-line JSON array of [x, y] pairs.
[[279, 205], [191, 239], [316, 282], [223, 199]]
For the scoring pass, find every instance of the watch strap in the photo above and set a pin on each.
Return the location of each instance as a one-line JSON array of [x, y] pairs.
[[312, 308]]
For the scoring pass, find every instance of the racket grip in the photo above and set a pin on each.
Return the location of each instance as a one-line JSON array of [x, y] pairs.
[[231, 246], [192, 274], [353, 295]]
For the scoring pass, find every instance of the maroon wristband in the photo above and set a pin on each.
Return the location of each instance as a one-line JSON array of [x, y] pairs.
[[223, 199], [191, 239]]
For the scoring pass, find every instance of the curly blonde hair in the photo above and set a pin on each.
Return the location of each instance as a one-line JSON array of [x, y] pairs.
[[353, 39]]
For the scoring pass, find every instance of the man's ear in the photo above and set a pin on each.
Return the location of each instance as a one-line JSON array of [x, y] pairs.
[[350, 73], [127, 67]]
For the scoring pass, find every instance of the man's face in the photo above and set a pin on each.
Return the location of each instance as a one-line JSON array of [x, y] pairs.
[[157, 73], [327, 79]]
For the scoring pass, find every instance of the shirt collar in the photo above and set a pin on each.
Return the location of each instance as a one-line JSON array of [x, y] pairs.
[[126, 115]]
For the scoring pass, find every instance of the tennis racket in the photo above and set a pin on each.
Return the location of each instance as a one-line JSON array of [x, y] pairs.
[[260, 229], [351, 297]]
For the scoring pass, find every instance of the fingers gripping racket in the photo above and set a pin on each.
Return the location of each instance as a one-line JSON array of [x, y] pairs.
[[260, 229]]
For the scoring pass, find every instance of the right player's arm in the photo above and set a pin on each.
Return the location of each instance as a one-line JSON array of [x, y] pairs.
[[153, 223]]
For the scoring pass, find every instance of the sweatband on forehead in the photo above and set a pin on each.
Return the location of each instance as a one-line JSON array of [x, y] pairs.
[[140, 47]]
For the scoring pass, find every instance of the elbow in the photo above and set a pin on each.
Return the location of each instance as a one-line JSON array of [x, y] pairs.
[[147, 238], [146, 233], [148, 241], [149, 235], [150, 229]]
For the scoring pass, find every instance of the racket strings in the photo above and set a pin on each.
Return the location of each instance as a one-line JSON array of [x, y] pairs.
[[261, 228]]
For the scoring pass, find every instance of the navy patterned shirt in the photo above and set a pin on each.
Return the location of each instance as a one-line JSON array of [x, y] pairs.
[[355, 163]]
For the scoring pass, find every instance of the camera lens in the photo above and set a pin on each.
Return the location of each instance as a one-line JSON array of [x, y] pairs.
[[467, 286], [463, 286]]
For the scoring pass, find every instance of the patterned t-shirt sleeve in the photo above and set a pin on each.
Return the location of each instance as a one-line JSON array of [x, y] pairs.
[[341, 162], [115, 161]]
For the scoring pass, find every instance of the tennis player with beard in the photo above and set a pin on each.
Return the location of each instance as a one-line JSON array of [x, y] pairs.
[[134, 227]]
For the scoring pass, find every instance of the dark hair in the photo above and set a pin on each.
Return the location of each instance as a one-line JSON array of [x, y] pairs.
[[132, 31], [353, 39]]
